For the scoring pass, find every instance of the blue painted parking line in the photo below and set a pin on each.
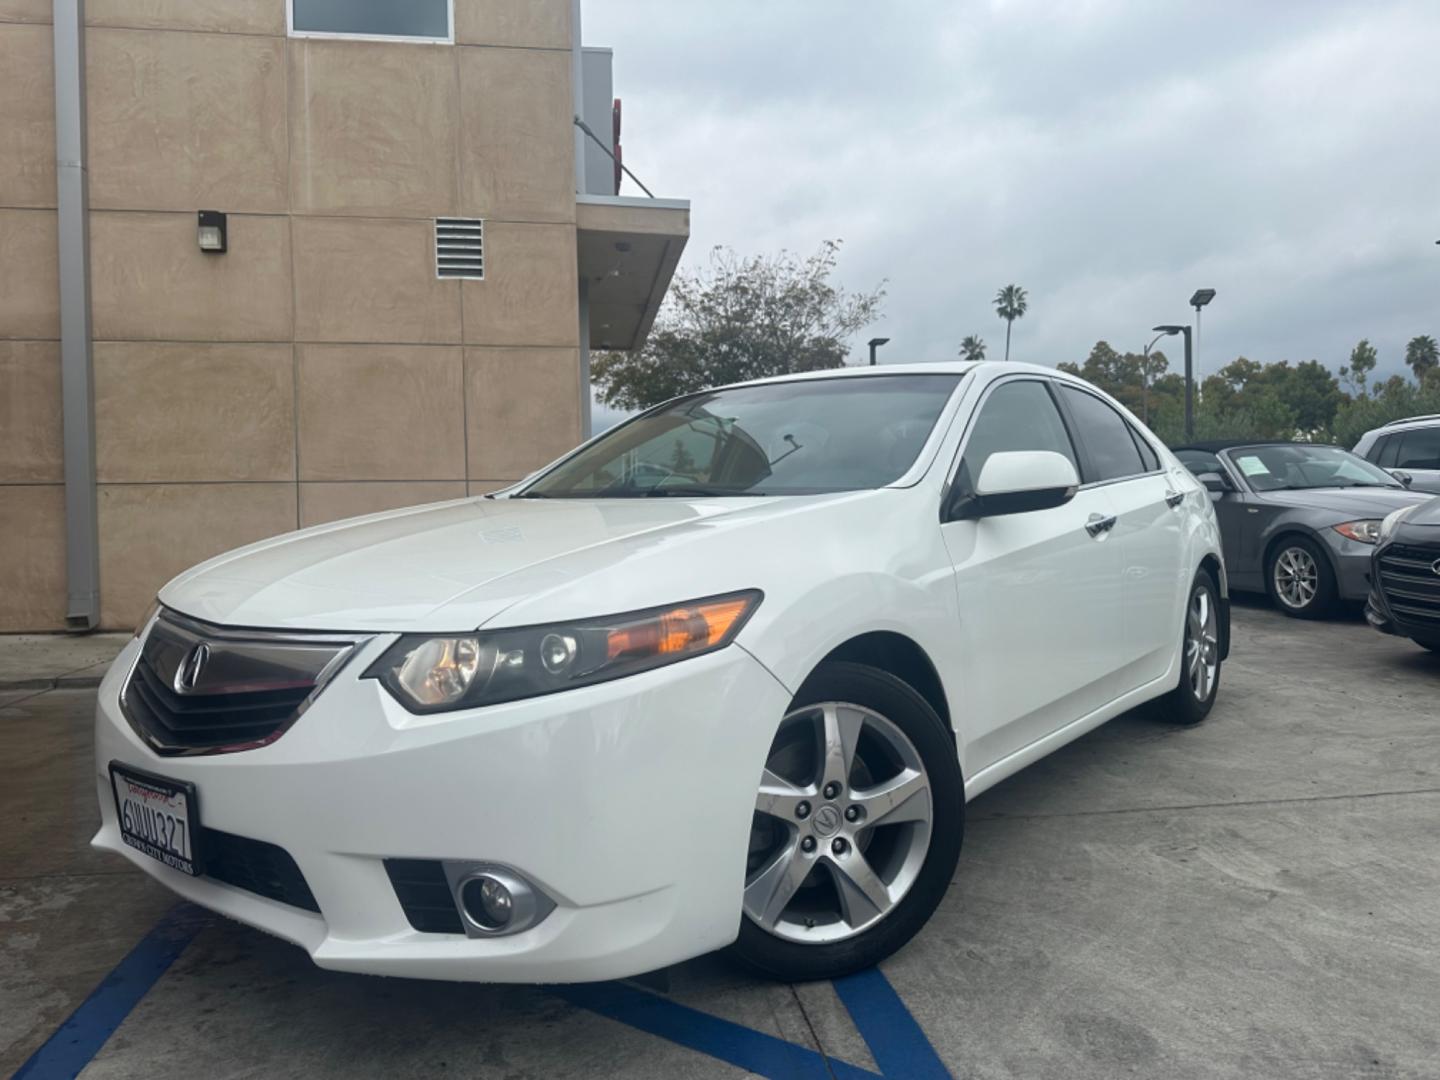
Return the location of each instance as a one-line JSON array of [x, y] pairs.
[[896, 1041], [735, 1044], [899, 1047], [77, 1041]]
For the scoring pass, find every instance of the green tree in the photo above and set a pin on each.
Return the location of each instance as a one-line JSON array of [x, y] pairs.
[[740, 318], [1422, 355], [1362, 361], [973, 347], [1011, 303]]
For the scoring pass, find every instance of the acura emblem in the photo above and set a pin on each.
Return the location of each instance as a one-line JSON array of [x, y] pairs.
[[1435, 567], [188, 673]]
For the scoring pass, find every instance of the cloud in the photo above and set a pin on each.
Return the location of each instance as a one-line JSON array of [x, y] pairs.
[[1111, 156]]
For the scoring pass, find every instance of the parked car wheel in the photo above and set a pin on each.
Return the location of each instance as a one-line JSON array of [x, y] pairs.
[[1299, 578], [1194, 694], [1433, 644], [857, 827]]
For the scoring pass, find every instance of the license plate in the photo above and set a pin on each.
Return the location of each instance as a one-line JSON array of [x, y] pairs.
[[158, 817]]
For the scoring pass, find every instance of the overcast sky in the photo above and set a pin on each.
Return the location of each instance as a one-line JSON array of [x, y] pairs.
[[1111, 156]]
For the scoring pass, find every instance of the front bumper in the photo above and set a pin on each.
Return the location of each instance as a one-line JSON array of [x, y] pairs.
[[629, 803], [1352, 567]]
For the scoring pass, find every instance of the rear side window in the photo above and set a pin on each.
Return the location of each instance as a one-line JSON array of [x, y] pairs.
[[1105, 435], [1018, 415], [1419, 449], [1384, 451], [1147, 452]]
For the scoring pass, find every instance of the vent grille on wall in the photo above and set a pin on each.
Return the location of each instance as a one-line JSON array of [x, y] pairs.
[[460, 248]]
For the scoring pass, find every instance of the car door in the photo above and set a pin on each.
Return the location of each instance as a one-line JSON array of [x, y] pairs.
[[1149, 512], [1040, 594]]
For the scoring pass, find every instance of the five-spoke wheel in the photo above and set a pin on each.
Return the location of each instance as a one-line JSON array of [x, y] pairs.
[[856, 830], [842, 824]]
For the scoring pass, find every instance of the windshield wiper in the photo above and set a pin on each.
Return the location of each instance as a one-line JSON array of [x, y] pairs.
[[694, 493]]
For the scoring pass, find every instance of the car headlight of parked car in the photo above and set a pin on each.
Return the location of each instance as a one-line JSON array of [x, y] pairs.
[[437, 673], [1392, 520], [1366, 531]]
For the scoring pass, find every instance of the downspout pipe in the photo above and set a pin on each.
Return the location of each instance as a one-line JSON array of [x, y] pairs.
[[577, 102], [82, 559]]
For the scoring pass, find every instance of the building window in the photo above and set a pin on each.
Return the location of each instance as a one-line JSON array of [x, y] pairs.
[[394, 20]]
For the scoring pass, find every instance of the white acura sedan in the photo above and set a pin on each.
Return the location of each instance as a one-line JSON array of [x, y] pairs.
[[726, 674]]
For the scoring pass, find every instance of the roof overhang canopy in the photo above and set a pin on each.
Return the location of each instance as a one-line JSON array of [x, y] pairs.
[[627, 250]]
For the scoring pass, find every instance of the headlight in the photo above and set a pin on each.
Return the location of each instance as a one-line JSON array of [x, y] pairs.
[[1366, 531], [429, 673], [1393, 519]]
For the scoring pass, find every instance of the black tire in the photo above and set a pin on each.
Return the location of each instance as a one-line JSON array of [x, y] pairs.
[[1322, 602], [897, 702], [1433, 644], [1183, 705]]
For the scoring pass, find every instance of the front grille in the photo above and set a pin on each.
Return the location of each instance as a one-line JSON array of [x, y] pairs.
[[1411, 585], [197, 688], [424, 894], [256, 866], [209, 721]]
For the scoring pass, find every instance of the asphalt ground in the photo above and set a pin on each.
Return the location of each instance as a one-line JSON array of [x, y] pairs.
[[1258, 896]]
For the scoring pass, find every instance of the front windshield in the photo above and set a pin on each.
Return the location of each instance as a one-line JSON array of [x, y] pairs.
[[1296, 468], [788, 438]]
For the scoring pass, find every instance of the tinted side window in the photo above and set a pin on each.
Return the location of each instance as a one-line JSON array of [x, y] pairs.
[[1419, 449], [1199, 461], [1105, 435], [1016, 416], [1384, 451], [1147, 452]]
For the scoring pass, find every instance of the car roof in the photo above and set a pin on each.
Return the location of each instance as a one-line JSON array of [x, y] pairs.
[[1430, 418], [1214, 446], [938, 367]]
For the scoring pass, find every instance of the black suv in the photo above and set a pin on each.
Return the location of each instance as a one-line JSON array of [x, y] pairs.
[[1405, 576]]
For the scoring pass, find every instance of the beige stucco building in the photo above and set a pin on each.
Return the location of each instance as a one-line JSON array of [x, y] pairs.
[[324, 364]]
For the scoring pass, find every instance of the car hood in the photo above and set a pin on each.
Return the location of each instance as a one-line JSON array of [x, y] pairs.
[[1429, 514], [457, 565], [1353, 503]]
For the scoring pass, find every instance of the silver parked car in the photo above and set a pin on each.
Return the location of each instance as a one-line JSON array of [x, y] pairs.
[[1411, 446], [1297, 521]]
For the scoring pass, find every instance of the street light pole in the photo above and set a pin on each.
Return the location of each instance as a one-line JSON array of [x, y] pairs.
[[1145, 379], [875, 343], [1189, 377]]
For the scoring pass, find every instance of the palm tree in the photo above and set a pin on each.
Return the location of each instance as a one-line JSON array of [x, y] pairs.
[[1422, 354], [973, 347], [1011, 303]]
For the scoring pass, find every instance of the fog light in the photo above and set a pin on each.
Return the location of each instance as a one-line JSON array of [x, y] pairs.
[[494, 900], [488, 902]]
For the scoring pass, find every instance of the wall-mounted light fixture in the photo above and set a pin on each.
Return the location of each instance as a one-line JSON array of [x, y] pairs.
[[211, 232]]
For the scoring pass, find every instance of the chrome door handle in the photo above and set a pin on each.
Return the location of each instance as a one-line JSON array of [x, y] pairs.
[[1100, 523], [1174, 498]]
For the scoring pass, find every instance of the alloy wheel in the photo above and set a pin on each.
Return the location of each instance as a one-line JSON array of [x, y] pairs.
[[1202, 643], [842, 824], [1297, 578]]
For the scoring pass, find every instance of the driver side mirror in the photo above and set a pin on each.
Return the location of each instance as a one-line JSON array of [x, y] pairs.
[[1404, 477], [1017, 482], [1216, 483]]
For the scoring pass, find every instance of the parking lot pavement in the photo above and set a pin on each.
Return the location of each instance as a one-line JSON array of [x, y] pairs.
[[1252, 897]]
